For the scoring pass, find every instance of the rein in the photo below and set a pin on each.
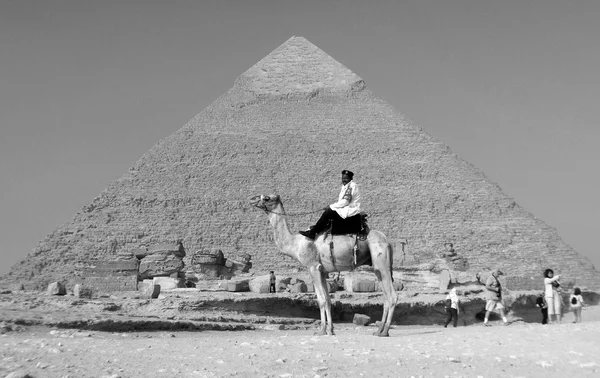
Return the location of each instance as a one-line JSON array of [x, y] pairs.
[[255, 204], [289, 215]]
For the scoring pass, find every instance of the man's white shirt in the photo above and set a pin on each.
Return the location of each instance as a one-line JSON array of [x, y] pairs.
[[348, 203]]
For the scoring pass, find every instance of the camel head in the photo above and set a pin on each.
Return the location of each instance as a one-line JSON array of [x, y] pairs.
[[267, 203]]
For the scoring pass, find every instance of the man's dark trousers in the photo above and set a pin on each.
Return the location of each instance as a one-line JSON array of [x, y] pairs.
[[322, 223], [545, 315], [451, 314]]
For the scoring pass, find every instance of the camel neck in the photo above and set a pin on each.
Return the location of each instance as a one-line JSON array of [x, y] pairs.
[[281, 231]]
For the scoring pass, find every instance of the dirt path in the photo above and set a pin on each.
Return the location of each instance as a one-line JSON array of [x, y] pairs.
[[519, 350]]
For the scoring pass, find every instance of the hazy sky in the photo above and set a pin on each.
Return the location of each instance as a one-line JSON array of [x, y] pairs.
[[87, 87]]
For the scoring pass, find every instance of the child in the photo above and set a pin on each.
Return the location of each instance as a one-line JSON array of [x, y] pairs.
[[452, 310], [541, 303], [577, 304]]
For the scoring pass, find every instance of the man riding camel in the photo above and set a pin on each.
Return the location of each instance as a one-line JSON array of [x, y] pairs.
[[348, 205]]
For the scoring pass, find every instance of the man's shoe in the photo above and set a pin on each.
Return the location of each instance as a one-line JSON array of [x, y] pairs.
[[307, 234]]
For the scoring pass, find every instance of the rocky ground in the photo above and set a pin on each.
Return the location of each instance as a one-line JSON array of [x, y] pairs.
[[189, 333]]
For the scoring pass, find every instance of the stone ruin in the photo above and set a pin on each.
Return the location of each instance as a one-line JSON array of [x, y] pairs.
[[214, 265], [145, 267]]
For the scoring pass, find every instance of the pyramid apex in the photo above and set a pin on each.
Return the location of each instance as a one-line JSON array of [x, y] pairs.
[[298, 66]]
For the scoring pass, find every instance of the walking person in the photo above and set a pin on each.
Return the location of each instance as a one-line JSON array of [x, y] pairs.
[[577, 304], [552, 292], [494, 297], [452, 309], [272, 280]]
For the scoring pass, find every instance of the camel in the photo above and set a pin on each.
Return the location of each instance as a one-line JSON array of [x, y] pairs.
[[320, 259]]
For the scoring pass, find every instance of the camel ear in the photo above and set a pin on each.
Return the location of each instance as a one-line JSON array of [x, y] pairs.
[[278, 198]]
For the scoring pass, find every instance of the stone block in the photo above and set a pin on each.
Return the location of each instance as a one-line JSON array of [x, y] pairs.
[[204, 258], [149, 290], [56, 288], [444, 280], [361, 319], [298, 287], [359, 283], [363, 286], [209, 270], [80, 291], [158, 265], [238, 286], [115, 283], [140, 253], [168, 283], [260, 284]]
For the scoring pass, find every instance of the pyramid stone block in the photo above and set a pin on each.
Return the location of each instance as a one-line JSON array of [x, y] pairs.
[[288, 126], [238, 286]]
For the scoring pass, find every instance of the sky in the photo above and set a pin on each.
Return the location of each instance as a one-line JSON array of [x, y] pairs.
[[87, 87]]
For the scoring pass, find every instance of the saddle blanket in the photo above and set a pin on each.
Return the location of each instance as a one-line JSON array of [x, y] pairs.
[[350, 225]]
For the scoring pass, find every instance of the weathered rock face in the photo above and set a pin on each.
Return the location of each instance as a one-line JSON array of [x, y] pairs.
[[80, 291], [56, 288], [160, 264], [213, 265], [278, 131]]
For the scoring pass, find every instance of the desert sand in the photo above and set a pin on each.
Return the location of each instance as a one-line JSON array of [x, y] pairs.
[[45, 348]]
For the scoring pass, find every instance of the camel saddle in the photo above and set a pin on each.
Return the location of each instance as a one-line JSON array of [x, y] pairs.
[[356, 224]]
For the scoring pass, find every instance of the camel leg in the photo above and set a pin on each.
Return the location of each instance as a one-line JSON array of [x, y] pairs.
[[323, 300], [383, 271], [327, 305]]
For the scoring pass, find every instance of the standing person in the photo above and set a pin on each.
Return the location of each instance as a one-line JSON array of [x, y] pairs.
[[452, 309], [552, 294], [348, 205], [494, 297], [577, 304], [541, 303], [272, 281]]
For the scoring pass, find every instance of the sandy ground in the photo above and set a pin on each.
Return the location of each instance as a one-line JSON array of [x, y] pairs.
[[518, 350]]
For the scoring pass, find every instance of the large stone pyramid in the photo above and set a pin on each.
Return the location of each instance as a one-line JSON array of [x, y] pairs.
[[289, 125]]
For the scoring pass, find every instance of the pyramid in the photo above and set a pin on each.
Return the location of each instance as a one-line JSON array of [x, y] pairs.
[[288, 126]]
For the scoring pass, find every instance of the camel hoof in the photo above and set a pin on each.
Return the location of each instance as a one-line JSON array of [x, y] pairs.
[[381, 334], [320, 333]]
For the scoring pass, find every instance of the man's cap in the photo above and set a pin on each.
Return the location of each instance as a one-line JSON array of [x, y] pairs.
[[348, 173]]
